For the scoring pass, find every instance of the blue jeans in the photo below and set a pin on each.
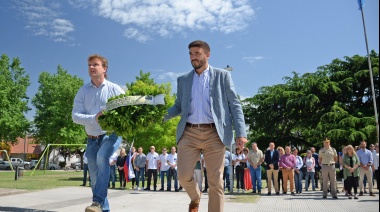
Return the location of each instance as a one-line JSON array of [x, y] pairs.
[[255, 176], [85, 170], [140, 175], [298, 181], [98, 152], [226, 177], [162, 175], [311, 174], [112, 175], [172, 173]]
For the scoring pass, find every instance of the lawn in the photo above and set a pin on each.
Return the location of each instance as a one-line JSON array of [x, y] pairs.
[[40, 180]]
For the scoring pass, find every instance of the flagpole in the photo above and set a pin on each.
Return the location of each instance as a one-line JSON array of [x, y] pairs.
[[370, 71]]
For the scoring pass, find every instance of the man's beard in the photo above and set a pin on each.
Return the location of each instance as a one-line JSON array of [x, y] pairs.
[[197, 64]]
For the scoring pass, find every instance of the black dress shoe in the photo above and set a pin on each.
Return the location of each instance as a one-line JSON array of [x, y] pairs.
[[168, 190], [253, 192], [259, 192], [177, 190], [204, 191], [361, 193], [335, 197], [83, 185], [268, 193], [162, 189], [292, 193], [277, 193], [147, 189], [324, 197]]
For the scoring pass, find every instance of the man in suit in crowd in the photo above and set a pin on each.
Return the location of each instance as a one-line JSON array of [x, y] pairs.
[[271, 159]]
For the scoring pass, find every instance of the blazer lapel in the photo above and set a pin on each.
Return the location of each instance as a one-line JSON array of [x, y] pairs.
[[212, 80], [188, 88]]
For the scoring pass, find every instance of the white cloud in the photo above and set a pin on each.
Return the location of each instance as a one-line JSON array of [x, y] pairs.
[[252, 59], [136, 34], [165, 17], [171, 77], [43, 18]]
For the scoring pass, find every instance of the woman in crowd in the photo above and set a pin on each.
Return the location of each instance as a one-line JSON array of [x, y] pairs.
[[281, 151], [351, 172], [310, 169], [247, 174], [298, 171], [240, 164], [120, 161]]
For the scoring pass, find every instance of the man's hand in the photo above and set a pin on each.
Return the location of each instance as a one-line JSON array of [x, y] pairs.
[[240, 142], [100, 113]]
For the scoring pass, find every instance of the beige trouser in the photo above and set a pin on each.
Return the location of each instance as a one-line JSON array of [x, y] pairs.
[[328, 174], [190, 145], [288, 175], [275, 179], [368, 173]]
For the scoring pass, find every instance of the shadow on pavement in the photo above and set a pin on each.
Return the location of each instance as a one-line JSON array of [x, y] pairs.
[[15, 209]]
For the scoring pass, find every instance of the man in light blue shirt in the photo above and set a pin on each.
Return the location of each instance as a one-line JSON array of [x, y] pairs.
[[89, 103], [210, 109], [366, 161]]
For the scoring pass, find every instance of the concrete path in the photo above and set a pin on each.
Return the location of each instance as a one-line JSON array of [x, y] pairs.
[[75, 199]]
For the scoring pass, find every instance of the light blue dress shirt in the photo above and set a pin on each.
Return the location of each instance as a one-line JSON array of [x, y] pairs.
[[89, 101], [365, 156], [200, 107]]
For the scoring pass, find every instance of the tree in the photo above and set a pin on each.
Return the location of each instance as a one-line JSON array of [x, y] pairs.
[[13, 100], [54, 102], [335, 101], [142, 123]]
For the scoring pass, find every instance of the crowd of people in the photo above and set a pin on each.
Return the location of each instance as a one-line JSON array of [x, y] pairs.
[[283, 166]]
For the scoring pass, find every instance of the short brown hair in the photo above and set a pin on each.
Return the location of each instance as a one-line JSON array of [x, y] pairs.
[[200, 44]]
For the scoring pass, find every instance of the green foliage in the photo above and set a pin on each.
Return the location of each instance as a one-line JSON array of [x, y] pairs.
[[54, 102], [335, 101], [13, 99], [142, 123]]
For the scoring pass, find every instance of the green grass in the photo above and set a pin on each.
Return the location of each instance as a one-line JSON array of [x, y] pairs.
[[40, 180]]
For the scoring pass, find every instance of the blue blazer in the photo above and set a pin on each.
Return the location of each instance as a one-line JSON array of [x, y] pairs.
[[272, 160], [226, 108]]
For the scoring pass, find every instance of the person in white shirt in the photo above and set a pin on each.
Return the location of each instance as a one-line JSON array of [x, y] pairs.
[[151, 166], [240, 164], [164, 169], [112, 162], [172, 161], [203, 164], [310, 170], [198, 173], [297, 171], [85, 170]]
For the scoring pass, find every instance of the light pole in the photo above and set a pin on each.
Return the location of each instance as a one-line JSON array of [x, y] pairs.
[[228, 68]]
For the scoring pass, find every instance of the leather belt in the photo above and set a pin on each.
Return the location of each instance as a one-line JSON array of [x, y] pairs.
[[210, 125], [94, 136], [329, 164]]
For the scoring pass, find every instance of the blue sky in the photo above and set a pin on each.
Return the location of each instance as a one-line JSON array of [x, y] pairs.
[[263, 40]]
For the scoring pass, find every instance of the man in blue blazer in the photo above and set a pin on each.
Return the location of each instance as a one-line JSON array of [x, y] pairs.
[[272, 156], [210, 110]]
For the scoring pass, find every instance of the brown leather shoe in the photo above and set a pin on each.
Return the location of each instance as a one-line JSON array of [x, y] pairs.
[[194, 206]]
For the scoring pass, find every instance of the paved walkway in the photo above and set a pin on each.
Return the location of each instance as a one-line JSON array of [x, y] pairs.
[[75, 199]]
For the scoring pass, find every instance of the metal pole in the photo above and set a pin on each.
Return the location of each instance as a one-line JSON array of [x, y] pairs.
[[371, 76]]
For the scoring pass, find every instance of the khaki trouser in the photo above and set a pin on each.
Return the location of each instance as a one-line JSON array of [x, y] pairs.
[[275, 179], [288, 175], [189, 147], [369, 174], [328, 174]]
